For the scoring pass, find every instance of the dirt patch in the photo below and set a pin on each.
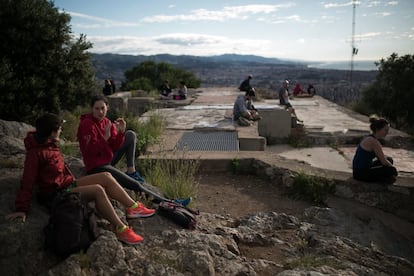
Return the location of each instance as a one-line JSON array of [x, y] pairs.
[[239, 195]]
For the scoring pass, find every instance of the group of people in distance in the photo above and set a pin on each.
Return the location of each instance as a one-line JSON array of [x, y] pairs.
[[369, 162], [102, 144], [167, 93]]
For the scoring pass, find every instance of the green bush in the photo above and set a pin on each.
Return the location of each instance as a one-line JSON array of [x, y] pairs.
[[311, 188], [174, 176]]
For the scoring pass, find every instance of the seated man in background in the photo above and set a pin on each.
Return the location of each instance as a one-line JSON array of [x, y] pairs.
[[243, 111], [284, 99], [165, 91]]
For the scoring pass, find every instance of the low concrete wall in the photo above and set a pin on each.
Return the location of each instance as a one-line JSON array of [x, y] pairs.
[[397, 200]]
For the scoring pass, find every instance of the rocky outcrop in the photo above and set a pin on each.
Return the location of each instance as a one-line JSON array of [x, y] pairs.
[[324, 241]]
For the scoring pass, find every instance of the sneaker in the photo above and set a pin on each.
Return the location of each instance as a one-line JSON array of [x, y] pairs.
[[135, 175], [128, 236], [184, 201], [139, 212]]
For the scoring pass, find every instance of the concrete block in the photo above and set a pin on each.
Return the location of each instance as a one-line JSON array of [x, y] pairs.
[[139, 105], [252, 144], [249, 139], [275, 123]]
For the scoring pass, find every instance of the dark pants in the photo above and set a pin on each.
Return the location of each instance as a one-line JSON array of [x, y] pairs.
[[377, 172], [130, 183]]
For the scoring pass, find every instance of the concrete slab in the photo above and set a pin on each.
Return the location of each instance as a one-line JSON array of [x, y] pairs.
[[322, 118], [319, 157]]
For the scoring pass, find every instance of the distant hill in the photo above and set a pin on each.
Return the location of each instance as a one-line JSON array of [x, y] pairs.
[[114, 65]]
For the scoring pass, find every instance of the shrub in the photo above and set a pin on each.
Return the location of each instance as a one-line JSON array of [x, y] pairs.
[[174, 176], [311, 188]]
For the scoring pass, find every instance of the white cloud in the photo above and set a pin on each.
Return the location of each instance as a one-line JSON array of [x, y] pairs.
[[180, 44], [383, 14], [227, 13], [99, 22], [338, 5], [367, 36], [392, 3]]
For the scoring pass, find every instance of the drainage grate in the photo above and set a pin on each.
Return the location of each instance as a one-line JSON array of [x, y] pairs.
[[209, 141]]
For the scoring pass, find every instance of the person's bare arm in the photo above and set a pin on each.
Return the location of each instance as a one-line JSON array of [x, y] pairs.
[[377, 148]]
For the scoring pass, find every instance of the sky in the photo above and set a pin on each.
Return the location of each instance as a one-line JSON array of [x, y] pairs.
[[300, 30]]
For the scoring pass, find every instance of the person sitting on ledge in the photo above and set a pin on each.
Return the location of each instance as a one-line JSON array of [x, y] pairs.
[[103, 143], [241, 112], [369, 163], [166, 91], [284, 100], [182, 92]]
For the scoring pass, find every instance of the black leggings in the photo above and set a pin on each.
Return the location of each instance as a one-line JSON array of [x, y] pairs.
[[130, 183], [377, 172]]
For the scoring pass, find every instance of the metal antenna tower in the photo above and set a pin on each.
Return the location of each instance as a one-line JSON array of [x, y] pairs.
[[354, 49]]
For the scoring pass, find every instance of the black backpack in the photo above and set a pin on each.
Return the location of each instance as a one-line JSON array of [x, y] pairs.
[[181, 215], [72, 225]]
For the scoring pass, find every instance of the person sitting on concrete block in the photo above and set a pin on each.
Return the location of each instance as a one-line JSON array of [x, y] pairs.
[[284, 99]]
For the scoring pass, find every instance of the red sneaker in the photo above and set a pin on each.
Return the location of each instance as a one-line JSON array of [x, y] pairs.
[[139, 212], [129, 236]]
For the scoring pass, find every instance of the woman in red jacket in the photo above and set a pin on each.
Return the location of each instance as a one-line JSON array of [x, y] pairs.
[[45, 167], [99, 139]]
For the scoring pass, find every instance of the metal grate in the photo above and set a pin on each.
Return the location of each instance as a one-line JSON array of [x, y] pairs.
[[209, 141]]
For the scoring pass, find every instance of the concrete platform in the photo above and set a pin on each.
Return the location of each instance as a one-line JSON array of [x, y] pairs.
[[332, 130]]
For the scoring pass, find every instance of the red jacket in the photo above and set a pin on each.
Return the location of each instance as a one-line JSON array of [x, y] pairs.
[[44, 166], [96, 151]]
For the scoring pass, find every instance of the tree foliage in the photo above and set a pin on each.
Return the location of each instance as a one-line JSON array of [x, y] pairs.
[[392, 94], [43, 67], [149, 75]]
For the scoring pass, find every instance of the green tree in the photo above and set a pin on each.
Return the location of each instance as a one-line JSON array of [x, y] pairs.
[[392, 94], [149, 75], [43, 68]]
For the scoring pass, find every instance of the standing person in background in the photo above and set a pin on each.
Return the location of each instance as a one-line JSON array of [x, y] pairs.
[[284, 99], [311, 90], [107, 89], [369, 162], [112, 86], [102, 144], [45, 167], [245, 85]]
